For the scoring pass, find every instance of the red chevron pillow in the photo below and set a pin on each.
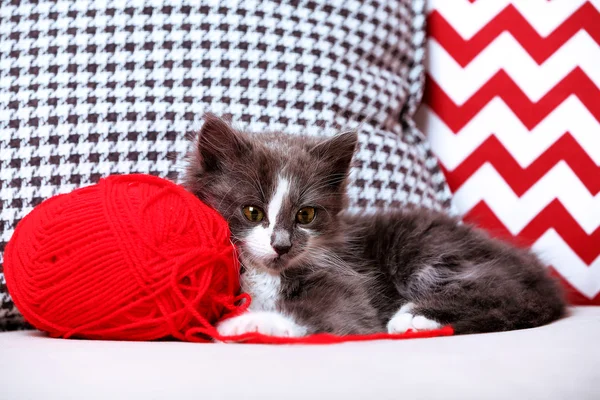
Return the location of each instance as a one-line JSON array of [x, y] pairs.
[[512, 108]]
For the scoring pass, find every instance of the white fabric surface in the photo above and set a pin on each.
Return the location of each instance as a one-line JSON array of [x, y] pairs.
[[559, 361]]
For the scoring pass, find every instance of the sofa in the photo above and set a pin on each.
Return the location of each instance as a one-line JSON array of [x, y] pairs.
[[557, 361]]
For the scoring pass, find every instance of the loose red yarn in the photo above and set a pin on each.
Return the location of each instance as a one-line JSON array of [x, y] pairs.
[[326, 338], [133, 257]]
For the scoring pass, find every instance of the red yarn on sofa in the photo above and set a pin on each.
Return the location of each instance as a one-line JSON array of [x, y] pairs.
[[134, 257]]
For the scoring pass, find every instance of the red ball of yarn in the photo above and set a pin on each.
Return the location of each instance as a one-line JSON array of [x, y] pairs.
[[134, 257]]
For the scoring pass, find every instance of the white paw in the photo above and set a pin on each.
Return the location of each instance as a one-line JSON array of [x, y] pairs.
[[422, 323], [400, 323], [265, 322], [404, 320]]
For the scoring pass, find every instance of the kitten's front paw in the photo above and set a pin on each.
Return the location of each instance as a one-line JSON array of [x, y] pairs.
[[400, 323], [265, 322], [404, 320], [422, 323]]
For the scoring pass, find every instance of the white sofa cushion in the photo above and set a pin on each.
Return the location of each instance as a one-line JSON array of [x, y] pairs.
[[558, 361]]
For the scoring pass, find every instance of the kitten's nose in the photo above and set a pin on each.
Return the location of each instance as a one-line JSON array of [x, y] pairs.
[[282, 249], [280, 241]]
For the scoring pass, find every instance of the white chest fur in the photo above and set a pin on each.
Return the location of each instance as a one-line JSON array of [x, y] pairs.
[[263, 287]]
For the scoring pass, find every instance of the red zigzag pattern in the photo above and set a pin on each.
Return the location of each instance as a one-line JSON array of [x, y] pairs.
[[501, 85], [521, 179], [510, 20], [566, 148]]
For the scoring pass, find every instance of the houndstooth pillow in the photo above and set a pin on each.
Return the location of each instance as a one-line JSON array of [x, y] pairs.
[[93, 88]]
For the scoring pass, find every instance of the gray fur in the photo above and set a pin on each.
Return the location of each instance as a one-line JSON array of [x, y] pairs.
[[350, 273]]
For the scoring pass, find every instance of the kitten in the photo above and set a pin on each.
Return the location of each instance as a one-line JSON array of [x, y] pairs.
[[310, 267]]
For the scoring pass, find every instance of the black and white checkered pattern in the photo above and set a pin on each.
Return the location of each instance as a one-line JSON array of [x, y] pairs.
[[91, 88]]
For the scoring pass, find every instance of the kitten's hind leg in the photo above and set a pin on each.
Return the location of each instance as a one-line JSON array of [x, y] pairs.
[[491, 306], [405, 319]]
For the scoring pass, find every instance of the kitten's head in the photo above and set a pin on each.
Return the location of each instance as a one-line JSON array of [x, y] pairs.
[[281, 194]]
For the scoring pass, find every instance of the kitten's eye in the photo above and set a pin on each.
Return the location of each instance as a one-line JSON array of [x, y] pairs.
[[305, 215], [253, 214]]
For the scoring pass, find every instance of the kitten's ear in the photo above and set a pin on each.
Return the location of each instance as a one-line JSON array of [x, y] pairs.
[[337, 154], [218, 142]]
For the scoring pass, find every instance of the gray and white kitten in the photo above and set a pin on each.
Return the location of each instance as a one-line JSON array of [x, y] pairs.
[[310, 267]]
